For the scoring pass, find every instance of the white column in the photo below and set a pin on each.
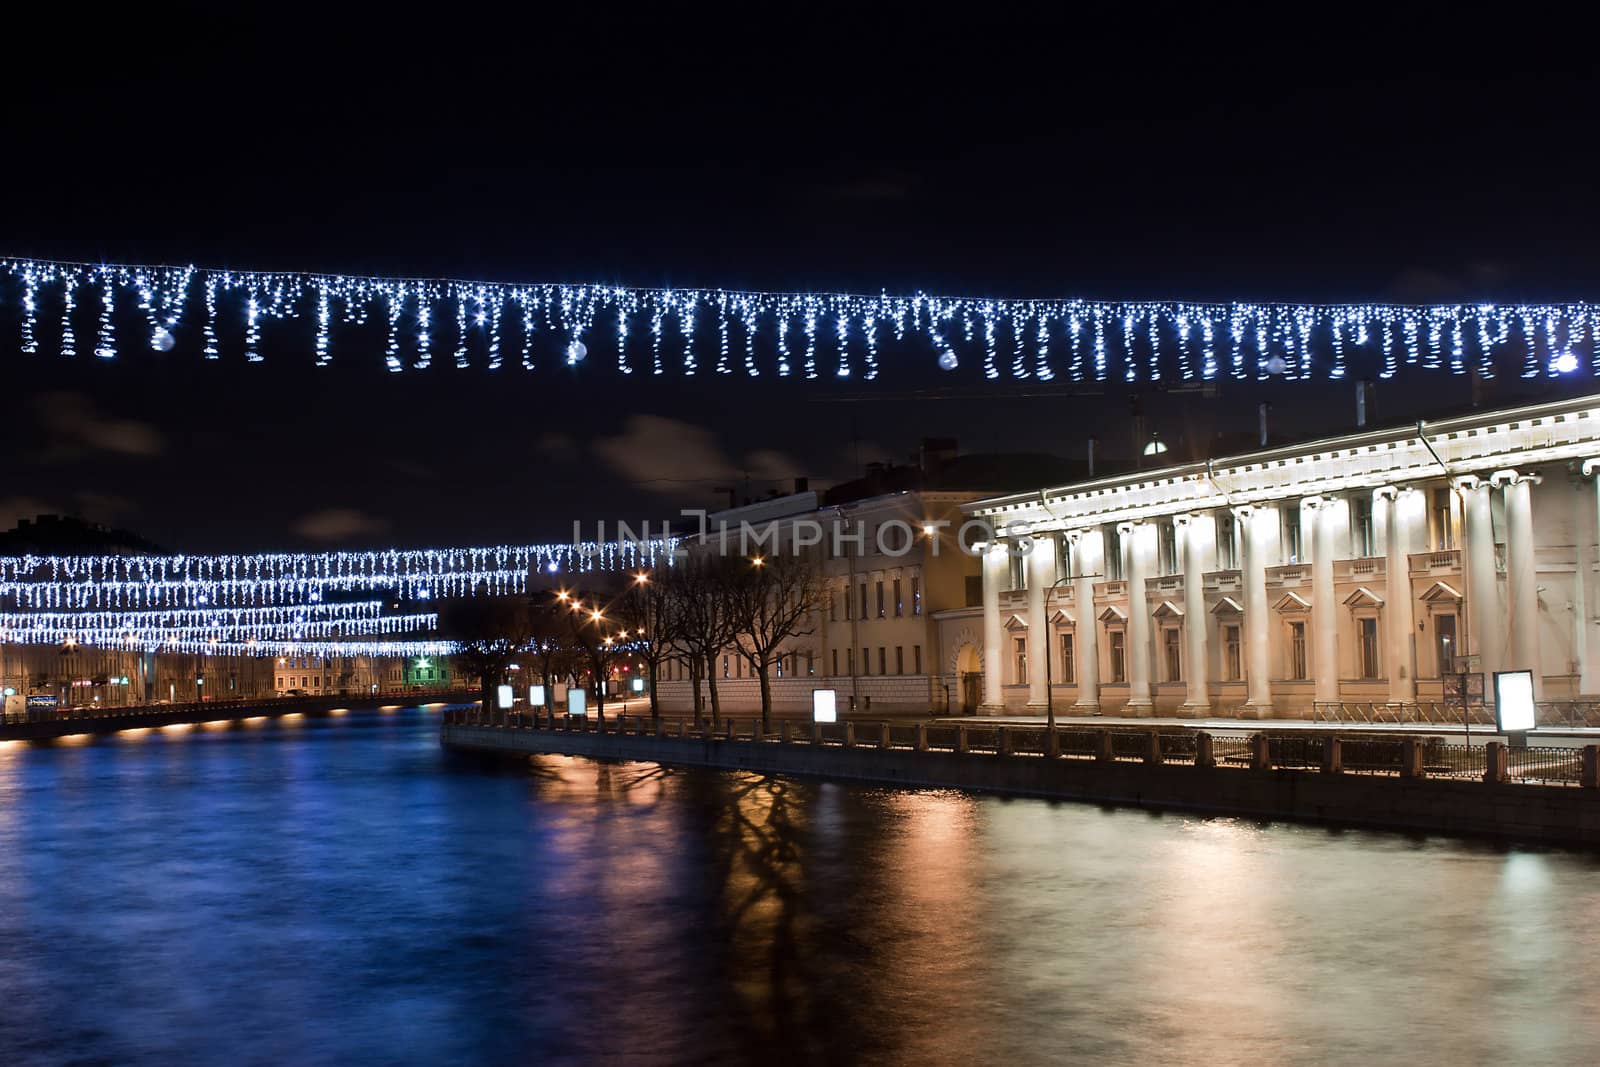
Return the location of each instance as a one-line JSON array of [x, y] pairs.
[[1041, 574], [1587, 551], [1088, 550], [1324, 605], [1137, 538], [1485, 622], [1522, 577], [1399, 613], [1258, 691], [1197, 533], [994, 574]]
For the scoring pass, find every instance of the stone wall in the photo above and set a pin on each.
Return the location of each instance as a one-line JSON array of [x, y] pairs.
[[1564, 814]]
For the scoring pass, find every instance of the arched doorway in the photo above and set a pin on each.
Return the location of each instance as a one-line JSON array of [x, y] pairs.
[[969, 677]]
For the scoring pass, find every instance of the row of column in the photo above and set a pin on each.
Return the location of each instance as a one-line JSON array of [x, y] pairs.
[[1395, 510]]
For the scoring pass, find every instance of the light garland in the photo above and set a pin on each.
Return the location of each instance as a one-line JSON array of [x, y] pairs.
[[65, 628], [1154, 340], [253, 601], [212, 617]]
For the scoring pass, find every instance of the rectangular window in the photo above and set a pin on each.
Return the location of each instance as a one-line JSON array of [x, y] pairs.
[[1297, 650], [811, 663], [1119, 657], [835, 667], [973, 589], [899, 605], [850, 660], [833, 606], [916, 659], [1069, 661], [726, 670], [916, 596], [899, 659], [1171, 637], [883, 660], [1113, 556], [1019, 646], [1227, 542], [1291, 534], [1167, 539], [1361, 542], [1063, 557], [1367, 632], [849, 611], [1232, 669], [1019, 570], [880, 599], [863, 600], [1441, 517], [780, 666], [1444, 632]]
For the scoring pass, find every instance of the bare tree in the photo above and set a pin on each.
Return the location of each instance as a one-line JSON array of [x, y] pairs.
[[551, 650], [649, 615], [598, 642], [701, 589], [490, 634], [774, 601]]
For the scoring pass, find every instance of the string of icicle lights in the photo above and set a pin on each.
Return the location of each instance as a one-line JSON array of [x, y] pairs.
[[268, 603], [98, 583], [74, 307], [58, 628]]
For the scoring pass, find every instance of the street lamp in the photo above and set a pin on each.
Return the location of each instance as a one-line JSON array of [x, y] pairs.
[[1049, 690]]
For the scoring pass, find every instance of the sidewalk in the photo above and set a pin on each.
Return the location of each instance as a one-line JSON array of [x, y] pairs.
[[1229, 727]]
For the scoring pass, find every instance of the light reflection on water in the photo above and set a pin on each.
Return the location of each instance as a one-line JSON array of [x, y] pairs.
[[338, 889]]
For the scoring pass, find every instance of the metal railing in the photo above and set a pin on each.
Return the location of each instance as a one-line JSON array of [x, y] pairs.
[[1410, 756], [1563, 766], [1568, 713]]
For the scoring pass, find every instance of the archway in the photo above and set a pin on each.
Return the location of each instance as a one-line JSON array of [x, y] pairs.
[[969, 678]]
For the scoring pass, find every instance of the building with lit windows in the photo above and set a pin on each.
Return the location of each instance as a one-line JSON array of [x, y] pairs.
[[889, 564], [1361, 569]]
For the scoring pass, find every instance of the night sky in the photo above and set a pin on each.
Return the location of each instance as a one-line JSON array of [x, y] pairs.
[[1130, 157]]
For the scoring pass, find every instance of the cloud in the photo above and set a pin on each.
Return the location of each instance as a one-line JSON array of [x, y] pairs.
[[338, 524], [665, 456], [76, 426]]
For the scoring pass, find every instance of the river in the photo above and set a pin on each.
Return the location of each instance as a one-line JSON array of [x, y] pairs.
[[336, 888]]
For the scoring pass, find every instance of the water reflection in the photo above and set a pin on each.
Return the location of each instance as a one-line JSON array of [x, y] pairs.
[[337, 889]]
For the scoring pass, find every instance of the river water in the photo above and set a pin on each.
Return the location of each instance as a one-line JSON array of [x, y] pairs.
[[338, 889]]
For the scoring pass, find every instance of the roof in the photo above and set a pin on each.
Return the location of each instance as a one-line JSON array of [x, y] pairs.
[[1473, 444]]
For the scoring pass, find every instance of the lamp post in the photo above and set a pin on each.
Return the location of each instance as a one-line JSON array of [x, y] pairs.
[[1049, 691]]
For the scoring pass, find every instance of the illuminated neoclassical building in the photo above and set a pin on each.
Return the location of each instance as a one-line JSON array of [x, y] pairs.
[[1351, 569]]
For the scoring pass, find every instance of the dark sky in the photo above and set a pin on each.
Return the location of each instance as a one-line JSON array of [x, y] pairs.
[[1125, 156]]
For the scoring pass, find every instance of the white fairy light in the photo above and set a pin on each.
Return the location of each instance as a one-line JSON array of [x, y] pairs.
[[1338, 337]]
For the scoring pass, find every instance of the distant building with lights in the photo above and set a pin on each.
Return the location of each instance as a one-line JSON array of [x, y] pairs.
[[896, 565], [1356, 570]]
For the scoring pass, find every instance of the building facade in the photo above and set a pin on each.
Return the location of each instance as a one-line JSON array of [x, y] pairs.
[[888, 564], [1364, 569]]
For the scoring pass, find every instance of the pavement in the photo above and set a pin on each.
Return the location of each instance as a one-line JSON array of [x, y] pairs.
[[1224, 727], [1229, 727]]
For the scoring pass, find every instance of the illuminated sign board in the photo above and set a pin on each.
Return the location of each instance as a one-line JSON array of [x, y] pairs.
[[1513, 701], [536, 695], [577, 701], [638, 685], [505, 699], [824, 707]]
